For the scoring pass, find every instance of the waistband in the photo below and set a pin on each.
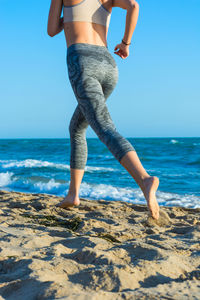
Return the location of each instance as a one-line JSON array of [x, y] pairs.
[[86, 47]]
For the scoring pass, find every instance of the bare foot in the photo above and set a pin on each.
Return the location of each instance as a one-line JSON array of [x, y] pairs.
[[69, 201], [150, 186]]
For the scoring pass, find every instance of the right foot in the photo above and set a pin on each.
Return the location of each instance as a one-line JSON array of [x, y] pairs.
[[69, 201], [150, 186]]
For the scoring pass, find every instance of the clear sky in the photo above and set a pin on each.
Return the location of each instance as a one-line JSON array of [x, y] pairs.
[[158, 92]]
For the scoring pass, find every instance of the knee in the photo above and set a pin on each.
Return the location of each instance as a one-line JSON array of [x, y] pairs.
[[107, 134], [73, 129], [76, 132]]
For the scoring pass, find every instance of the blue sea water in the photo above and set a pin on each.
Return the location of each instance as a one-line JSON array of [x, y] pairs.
[[42, 166]]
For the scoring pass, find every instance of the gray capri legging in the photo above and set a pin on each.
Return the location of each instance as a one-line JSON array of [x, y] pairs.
[[93, 74]]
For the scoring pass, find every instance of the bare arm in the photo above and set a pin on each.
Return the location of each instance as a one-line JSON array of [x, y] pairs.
[[55, 22], [132, 8]]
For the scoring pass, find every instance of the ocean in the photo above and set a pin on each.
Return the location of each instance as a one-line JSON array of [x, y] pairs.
[[42, 166]]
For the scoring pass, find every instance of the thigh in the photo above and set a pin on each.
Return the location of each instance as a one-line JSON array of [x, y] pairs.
[[92, 102]]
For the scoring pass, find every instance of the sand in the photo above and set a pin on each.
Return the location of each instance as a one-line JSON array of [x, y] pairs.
[[98, 250]]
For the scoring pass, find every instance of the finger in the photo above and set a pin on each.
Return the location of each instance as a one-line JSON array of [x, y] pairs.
[[118, 54], [116, 47], [121, 53]]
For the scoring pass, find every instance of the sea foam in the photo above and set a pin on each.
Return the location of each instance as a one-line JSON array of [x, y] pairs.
[[174, 141], [5, 179], [97, 191], [34, 163], [51, 186]]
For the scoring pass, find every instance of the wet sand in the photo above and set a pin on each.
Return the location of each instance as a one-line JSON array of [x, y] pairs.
[[98, 250]]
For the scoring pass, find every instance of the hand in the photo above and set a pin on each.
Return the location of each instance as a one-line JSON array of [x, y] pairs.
[[123, 51]]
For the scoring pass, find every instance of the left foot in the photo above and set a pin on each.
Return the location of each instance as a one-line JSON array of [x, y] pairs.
[[150, 186], [69, 201]]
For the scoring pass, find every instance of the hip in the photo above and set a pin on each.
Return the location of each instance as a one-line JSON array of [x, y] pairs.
[[83, 57]]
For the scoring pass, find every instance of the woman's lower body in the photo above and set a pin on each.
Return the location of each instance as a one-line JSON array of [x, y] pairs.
[[93, 75]]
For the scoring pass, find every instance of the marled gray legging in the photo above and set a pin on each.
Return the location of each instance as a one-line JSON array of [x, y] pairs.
[[93, 74]]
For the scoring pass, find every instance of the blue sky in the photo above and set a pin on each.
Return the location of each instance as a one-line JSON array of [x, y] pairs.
[[158, 92]]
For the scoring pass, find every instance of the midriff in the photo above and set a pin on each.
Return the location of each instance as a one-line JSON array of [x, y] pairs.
[[86, 32]]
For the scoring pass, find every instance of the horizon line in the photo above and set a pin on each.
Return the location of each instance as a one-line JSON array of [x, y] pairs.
[[59, 138]]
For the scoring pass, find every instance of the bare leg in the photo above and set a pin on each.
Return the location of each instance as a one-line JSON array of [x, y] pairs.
[[72, 198], [132, 164], [147, 183]]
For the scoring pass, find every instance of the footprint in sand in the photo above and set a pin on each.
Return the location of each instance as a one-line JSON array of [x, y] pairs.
[[163, 220]]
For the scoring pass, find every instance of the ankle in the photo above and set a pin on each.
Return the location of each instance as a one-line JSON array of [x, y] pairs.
[[74, 194], [143, 181]]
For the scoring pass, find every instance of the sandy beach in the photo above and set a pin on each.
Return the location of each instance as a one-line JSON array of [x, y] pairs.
[[99, 250]]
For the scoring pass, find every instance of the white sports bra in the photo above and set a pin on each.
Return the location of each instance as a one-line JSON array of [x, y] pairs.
[[89, 11]]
